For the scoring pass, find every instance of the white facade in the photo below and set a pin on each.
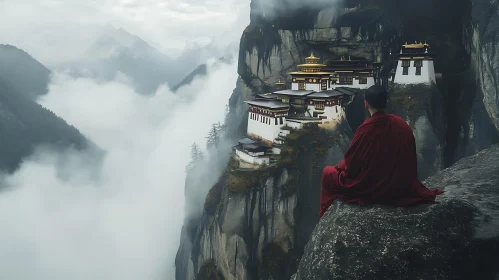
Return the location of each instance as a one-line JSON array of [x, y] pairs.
[[256, 160], [314, 87], [355, 84], [330, 112], [264, 127], [427, 73]]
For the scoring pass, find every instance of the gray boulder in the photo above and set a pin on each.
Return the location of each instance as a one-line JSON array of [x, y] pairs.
[[455, 239]]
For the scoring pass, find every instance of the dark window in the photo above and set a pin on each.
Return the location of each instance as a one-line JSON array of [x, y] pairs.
[[418, 63], [405, 71], [336, 109], [346, 80], [363, 80], [276, 122], [406, 63], [301, 85], [418, 71], [282, 120]]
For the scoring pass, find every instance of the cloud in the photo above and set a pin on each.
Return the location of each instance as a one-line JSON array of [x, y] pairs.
[[271, 8], [66, 217], [55, 31]]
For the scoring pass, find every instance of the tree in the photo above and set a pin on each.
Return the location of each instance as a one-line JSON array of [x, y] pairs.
[[196, 156], [213, 138]]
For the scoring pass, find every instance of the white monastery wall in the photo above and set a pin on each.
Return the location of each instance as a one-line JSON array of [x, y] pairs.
[[427, 74], [266, 130], [252, 160]]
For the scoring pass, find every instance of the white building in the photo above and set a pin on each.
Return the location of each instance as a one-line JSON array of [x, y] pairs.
[[251, 154], [265, 119], [414, 65], [327, 105]]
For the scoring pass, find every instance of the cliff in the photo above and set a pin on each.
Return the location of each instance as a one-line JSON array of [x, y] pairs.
[[456, 239], [255, 223], [256, 226]]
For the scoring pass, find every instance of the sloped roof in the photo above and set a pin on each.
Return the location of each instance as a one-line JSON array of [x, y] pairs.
[[271, 104], [294, 92]]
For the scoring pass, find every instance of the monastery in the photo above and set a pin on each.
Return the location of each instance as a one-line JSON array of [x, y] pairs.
[[318, 94], [414, 65]]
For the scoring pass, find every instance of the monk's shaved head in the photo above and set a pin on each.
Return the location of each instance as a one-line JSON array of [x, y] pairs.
[[377, 97]]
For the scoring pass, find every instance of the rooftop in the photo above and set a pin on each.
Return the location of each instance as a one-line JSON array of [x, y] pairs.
[[246, 141], [267, 95], [294, 92], [271, 104], [348, 91], [416, 45]]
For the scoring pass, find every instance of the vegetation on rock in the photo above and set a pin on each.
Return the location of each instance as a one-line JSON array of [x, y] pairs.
[[209, 271]]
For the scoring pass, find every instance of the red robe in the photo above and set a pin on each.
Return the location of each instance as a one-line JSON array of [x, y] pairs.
[[380, 166]]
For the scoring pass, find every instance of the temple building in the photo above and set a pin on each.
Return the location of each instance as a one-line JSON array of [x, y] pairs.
[[250, 153], [414, 65], [318, 94], [265, 119], [345, 72], [328, 105]]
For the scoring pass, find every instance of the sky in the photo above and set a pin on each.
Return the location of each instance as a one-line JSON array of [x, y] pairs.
[[54, 31], [66, 217]]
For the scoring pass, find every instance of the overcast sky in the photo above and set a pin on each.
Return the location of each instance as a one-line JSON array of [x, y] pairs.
[[58, 29]]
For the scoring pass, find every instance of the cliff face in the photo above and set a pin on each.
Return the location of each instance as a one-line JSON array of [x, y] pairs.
[[254, 225], [456, 239], [480, 36]]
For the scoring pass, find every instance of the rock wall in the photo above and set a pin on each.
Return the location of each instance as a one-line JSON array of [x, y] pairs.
[[255, 223], [456, 239]]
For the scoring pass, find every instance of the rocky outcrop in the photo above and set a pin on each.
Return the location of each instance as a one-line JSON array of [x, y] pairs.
[[481, 37], [272, 47], [255, 223], [421, 106], [478, 94], [456, 239]]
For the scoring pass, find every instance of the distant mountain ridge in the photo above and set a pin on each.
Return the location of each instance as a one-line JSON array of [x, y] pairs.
[[25, 124], [23, 72]]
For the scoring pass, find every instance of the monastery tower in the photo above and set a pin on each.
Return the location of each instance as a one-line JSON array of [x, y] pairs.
[[414, 65]]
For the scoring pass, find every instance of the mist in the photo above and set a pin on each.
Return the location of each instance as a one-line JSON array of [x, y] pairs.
[[67, 216], [270, 8]]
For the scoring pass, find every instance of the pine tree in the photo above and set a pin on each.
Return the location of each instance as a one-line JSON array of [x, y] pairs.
[[213, 138]]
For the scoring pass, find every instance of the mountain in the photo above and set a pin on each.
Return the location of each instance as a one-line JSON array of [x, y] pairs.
[[199, 72], [24, 124], [116, 51], [24, 73]]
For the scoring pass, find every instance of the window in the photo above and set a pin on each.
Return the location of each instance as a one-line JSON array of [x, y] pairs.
[[418, 71], [301, 85], [406, 63], [282, 120], [418, 63], [363, 80], [276, 122], [405, 71]]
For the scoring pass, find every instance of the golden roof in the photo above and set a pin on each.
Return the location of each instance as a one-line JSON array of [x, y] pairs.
[[311, 65], [312, 57], [416, 45]]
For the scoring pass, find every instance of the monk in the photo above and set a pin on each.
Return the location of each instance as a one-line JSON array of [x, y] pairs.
[[380, 166]]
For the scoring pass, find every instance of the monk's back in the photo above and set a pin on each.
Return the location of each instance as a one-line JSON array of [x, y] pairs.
[[380, 165]]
